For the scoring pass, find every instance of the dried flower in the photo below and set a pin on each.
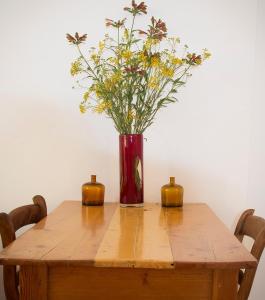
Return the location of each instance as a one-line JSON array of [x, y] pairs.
[[117, 24], [77, 39], [137, 9], [157, 29], [142, 32], [130, 77], [193, 59], [132, 69]]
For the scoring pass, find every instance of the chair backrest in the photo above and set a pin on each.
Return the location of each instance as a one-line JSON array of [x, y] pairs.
[[254, 227], [9, 224]]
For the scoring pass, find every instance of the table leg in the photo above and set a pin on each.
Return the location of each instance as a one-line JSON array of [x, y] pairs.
[[225, 284], [33, 282]]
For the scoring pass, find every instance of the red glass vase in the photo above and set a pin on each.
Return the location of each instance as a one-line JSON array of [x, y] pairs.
[[131, 170]]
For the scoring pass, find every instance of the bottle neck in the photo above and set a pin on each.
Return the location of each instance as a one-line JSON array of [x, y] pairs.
[[93, 178], [172, 180]]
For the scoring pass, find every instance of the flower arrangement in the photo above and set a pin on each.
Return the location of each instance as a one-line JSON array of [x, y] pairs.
[[131, 77]]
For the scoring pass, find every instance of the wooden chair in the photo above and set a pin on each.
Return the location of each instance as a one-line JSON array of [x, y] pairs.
[[254, 227], [9, 224]]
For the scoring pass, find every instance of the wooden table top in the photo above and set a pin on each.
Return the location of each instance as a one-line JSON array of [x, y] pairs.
[[148, 237]]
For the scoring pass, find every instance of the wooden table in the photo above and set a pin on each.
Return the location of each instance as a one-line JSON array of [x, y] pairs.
[[128, 253]]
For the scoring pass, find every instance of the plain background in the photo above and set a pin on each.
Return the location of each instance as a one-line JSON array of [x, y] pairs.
[[212, 141]]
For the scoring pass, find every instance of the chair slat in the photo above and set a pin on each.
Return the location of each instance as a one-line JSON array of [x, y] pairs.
[[7, 229], [254, 227], [9, 224], [10, 282], [25, 215], [40, 201], [240, 223]]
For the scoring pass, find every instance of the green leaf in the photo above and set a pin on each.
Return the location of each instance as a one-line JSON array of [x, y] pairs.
[[135, 41], [179, 81]]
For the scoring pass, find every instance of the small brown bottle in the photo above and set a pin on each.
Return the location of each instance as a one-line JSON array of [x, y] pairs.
[[172, 194], [93, 192]]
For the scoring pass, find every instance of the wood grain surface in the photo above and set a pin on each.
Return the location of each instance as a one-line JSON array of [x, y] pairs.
[[148, 237], [84, 283]]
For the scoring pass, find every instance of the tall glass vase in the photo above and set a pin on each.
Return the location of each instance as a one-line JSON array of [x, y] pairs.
[[131, 170]]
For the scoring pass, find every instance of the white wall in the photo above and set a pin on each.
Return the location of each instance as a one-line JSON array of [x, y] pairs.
[[256, 186], [212, 140]]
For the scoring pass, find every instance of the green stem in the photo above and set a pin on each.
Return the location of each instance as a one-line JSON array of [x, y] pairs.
[[131, 33], [87, 63]]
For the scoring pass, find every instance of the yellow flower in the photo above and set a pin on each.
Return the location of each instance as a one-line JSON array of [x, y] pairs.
[[130, 115], [97, 89], [206, 54], [101, 46], [95, 58], [126, 34], [98, 93], [82, 108], [108, 84], [155, 61], [114, 60], [150, 42], [86, 96], [167, 72], [147, 44], [143, 58], [153, 83], [76, 67], [101, 107], [176, 61], [92, 88], [198, 61], [115, 77], [127, 54]]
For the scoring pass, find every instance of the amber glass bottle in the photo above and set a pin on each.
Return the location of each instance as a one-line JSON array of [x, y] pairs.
[[172, 194], [93, 192]]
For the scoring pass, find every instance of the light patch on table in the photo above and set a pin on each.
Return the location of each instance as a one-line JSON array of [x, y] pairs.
[[136, 237]]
